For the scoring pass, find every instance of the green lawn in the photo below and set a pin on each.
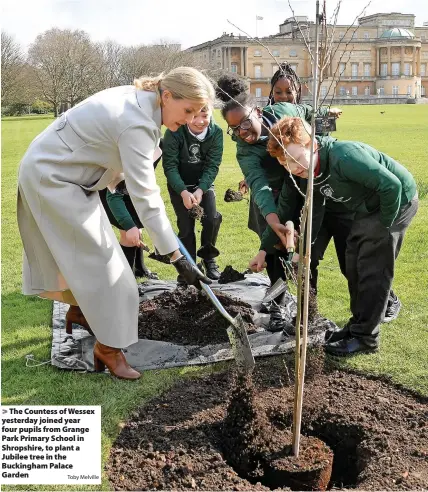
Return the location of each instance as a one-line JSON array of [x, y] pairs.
[[400, 132]]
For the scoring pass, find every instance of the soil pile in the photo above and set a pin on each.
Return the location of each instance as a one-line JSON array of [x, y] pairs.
[[187, 317], [229, 274], [378, 432], [258, 450]]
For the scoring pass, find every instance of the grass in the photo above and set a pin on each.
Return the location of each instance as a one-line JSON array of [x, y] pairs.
[[26, 321]]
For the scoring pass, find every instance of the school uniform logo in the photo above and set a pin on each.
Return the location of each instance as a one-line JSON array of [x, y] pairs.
[[195, 153], [327, 191]]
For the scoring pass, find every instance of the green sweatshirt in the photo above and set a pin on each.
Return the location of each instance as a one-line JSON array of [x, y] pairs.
[[261, 171], [352, 175], [118, 208], [189, 161]]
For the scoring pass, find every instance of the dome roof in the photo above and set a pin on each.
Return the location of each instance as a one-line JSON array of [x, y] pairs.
[[397, 32]]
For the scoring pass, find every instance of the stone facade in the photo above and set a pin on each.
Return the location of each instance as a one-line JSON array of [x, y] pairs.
[[384, 55]]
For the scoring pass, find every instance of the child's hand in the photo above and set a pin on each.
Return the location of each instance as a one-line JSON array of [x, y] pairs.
[[188, 199], [258, 263], [133, 237], [198, 194], [336, 112], [243, 187]]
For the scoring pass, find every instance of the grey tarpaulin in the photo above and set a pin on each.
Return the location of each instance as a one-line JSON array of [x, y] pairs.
[[75, 351]]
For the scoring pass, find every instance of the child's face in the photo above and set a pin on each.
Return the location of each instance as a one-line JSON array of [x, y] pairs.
[[283, 92], [244, 123], [200, 121], [296, 160]]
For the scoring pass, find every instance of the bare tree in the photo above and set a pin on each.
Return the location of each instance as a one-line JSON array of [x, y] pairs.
[[66, 66], [110, 68], [12, 67]]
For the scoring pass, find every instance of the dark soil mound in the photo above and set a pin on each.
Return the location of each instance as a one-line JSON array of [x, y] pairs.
[[196, 212], [188, 317], [229, 274], [378, 433]]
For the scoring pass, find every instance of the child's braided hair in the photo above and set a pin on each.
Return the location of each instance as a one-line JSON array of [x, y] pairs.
[[286, 72]]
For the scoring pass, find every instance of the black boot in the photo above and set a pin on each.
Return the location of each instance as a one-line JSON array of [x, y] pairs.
[[211, 269], [140, 268], [129, 252]]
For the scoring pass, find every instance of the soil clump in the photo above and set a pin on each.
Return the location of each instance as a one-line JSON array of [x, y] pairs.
[[229, 274], [196, 212], [233, 196]]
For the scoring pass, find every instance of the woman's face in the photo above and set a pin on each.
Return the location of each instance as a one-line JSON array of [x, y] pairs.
[[296, 159], [283, 92], [177, 112], [245, 123]]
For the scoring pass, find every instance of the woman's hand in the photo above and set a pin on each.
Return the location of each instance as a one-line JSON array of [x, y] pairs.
[[258, 263], [243, 187], [133, 237], [198, 194], [188, 199], [336, 112]]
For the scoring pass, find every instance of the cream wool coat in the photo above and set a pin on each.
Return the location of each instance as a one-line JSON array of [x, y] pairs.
[[68, 240]]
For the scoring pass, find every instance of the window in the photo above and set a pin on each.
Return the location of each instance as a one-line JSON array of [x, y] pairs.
[[258, 71], [354, 67], [258, 92], [366, 35], [395, 69], [407, 69], [384, 69], [234, 68], [367, 91], [409, 90], [274, 69], [395, 90], [355, 90], [342, 91], [381, 91], [323, 91], [423, 69], [257, 53], [367, 69], [422, 90], [293, 53], [275, 52], [293, 66], [218, 53], [342, 67], [355, 35]]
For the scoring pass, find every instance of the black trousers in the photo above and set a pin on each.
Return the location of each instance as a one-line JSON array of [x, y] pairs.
[[338, 228], [186, 225], [370, 258]]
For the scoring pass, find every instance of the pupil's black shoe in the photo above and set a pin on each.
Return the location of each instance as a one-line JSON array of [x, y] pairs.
[[393, 308], [211, 269]]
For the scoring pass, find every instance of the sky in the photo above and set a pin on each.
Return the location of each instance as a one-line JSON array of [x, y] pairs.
[[188, 22]]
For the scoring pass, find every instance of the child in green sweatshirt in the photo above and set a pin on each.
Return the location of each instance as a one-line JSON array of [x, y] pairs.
[[191, 160], [378, 190]]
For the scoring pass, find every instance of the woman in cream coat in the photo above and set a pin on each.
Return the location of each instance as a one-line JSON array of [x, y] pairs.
[[70, 251]]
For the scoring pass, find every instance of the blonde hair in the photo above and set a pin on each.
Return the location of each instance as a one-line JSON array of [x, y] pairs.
[[286, 131], [183, 83]]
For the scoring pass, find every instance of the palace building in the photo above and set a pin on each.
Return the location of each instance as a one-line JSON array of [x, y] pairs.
[[384, 55]]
